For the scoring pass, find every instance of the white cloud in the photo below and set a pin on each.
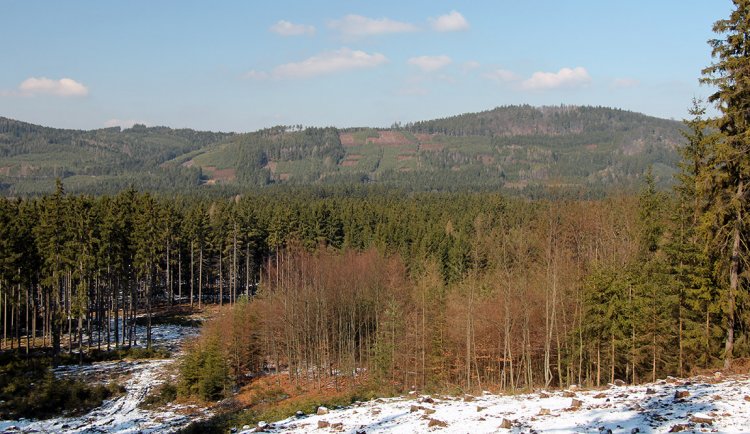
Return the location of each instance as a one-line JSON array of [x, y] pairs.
[[625, 83], [285, 28], [430, 63], [451, 22], [65, 87], [255, 75], [566, 77], [322, 64], [123, 123], [357, 25], [502, 75], [470, 65]]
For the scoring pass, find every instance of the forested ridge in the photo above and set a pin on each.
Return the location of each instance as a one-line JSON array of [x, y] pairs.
[[108, 159], [520, 149]]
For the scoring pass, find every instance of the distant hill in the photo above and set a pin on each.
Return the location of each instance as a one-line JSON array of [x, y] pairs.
[[31, 157], [512, 147]]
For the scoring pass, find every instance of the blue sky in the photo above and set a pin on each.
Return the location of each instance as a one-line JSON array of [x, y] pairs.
[[245, 65]]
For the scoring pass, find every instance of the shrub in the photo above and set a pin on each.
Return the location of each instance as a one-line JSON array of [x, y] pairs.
[[33, 392], [204, 372], [163, 394]]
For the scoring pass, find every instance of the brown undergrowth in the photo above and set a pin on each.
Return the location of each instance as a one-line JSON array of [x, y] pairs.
[[274, 397]]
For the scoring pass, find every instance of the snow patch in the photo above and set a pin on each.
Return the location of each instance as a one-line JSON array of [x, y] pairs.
[[121, 414], [712, 405]]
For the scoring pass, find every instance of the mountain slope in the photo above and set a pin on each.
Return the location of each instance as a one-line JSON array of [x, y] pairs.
[[31, 156], [514, 147]]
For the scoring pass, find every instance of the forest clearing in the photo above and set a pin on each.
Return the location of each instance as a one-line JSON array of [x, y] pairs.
[[698, 404], [124, 413]]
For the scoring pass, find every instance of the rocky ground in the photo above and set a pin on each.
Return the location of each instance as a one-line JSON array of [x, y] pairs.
[[701, 404]]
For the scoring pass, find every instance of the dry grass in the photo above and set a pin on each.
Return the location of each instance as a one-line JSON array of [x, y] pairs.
[[347, 139], [297, 392]]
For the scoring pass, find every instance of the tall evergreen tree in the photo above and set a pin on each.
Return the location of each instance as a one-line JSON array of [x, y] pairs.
[[147, 244], [690, 266], [53, 235], [727, 172]]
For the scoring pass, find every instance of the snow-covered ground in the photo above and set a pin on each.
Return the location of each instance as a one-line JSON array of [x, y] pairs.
[[122, 415], [167, 336], [701, 404]]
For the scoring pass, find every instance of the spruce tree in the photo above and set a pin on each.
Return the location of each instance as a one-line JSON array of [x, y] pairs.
[[147, 244], [690, 266], [53, 236], [724, 181]]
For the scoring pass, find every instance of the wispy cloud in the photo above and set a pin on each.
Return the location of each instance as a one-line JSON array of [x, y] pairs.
[[624, 83], [64, 87], [286, 28], [501, 75], [451, 22], [430, 63], [564, 78], [329, 62], [470, 65], [256, 75], [358, 25]]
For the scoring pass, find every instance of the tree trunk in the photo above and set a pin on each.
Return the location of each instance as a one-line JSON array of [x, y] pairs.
[[116, 311], [598, 364], [612, 367], [70, 317], [192, 272], [247, 271], [80, 339], [179, 273], [35, 313], [221, 276], [733, 283], [4, 299], [707, 336], [469, 319], [680, 369], [233, 296], [734, 269], [169, 275], [200, 277], [148, 291]]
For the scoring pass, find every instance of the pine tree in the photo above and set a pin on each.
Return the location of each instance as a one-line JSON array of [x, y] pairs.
[[8, 258], [196, 229], [723, 183], [83, 242], [690, 266], [53, 236], [147, 242]]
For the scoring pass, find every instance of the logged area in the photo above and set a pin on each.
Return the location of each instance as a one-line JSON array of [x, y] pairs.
[[134, 376], [700, 404]]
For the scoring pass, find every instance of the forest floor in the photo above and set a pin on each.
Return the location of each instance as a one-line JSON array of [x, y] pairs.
[[123, 414], [713, 403]]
